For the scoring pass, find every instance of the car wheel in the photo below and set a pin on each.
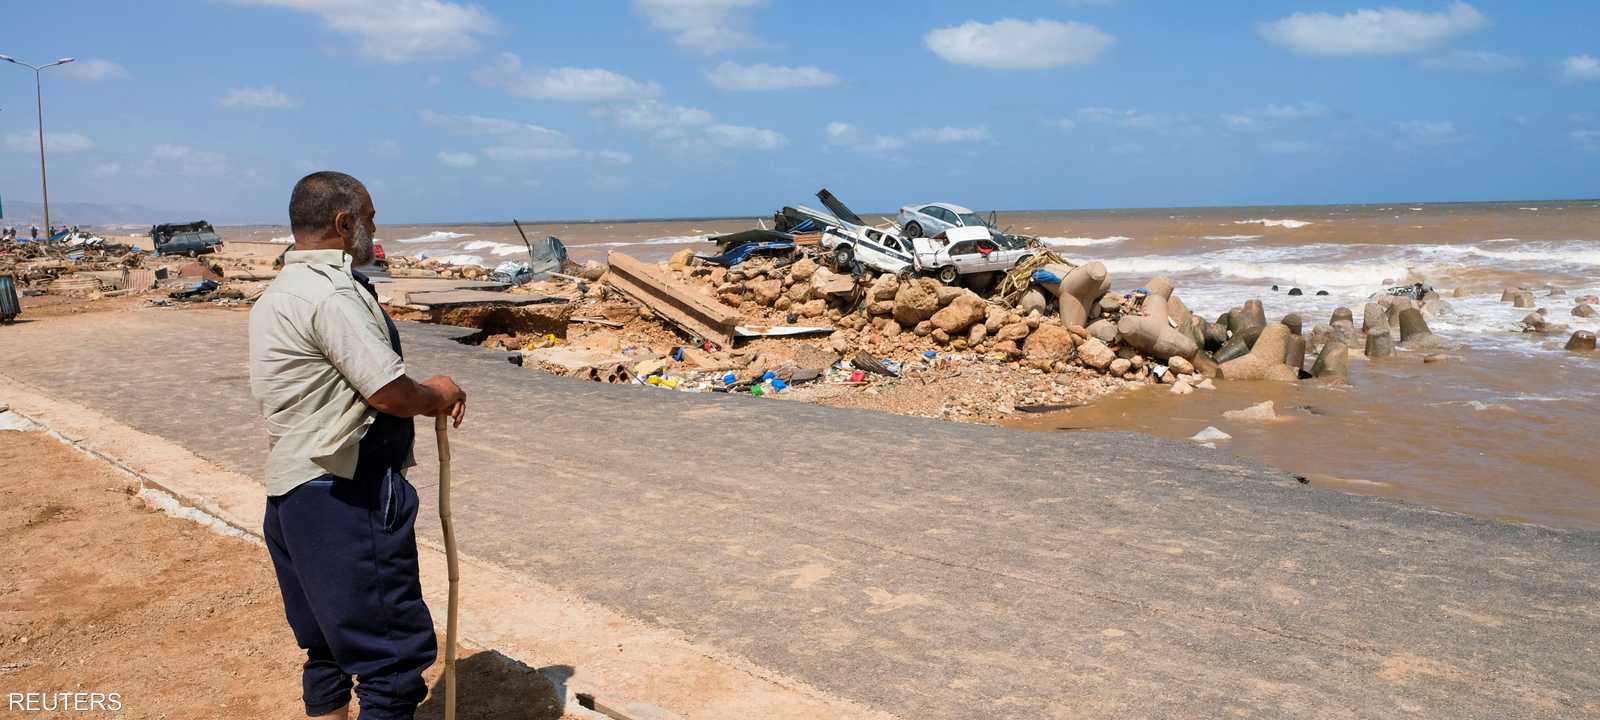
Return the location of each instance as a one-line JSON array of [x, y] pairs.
[[948, 275], [843, 256], [913, 229]]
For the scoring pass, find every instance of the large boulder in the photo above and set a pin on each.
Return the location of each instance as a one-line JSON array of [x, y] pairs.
[[804, 268], [1584, 311], [1051, 342], [1581, 341], [1094, 354], [884, 288], [916, 301], [1105, 330], [1265, 359], [1152, 333], [963, 312], [1032, 300], [766, 292], [826, 283]]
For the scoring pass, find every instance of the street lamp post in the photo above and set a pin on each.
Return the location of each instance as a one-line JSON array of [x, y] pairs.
[[38, 93]]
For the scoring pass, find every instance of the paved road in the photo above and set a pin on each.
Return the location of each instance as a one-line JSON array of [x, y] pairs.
[[937, 570]]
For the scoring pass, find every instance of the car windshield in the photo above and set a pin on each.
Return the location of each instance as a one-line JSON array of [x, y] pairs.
[[972, 220]]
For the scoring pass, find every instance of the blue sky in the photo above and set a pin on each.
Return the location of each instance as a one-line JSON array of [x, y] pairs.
[[458, 111]]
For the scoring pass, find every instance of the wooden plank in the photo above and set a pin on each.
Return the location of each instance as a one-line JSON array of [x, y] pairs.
[[698, 315]]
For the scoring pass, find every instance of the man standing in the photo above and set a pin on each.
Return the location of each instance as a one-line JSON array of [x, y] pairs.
[[326, 366]]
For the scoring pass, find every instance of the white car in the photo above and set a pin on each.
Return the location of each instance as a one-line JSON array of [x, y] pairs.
[[882, 251], [954, 253], [933, 218], [965, 251]]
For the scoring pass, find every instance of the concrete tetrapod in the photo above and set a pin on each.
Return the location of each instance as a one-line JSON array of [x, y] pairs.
[[1246, 324], [1380, 343], [1373, 316], [1151, 333], [1581, 341], [1265, 359], [1414, 332], [1333, 362], [1082, 286], [1294, 354]]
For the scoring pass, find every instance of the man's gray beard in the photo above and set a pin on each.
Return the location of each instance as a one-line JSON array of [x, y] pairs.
[[361, 249]]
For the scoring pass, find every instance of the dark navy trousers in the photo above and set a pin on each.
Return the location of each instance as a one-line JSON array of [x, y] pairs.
[[345, 551]]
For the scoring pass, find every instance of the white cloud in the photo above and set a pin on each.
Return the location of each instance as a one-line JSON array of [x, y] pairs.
[[1427, 132], [399, 31], [262, 98], [1294, 111], [1587, 139], [1131, 119], [458, 159], [1245, 123], [746, 138], [54, 142], [667, 121], [175, 159], [951, 135], [1019, 45], [568, 83], [845, 135], [1581, 68], [94, 70], [1384, 31], [709, 26], [515, 141], [761, 76], [1286, 147], [1472, 61]]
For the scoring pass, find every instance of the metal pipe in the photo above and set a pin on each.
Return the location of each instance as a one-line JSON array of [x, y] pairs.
[[38, 95]]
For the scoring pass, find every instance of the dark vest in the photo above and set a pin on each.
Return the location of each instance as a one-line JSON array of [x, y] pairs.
[[387, 443]]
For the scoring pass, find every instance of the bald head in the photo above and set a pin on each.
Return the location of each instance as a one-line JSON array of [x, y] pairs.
[[332, 210]]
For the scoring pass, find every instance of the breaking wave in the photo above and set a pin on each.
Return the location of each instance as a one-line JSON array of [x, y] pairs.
[[452, 259], [1083, 241], [1232, 238], [497, 249], [286, 240], [1289, 223], [1545, 253], [435, 236], [1309, 275]]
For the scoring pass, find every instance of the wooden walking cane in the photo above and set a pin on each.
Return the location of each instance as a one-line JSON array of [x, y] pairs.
[[441, 431]]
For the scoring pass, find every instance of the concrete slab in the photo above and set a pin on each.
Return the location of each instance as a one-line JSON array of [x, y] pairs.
[[929, 569]]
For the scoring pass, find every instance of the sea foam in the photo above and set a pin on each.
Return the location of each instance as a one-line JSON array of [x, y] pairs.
[[1083, 241], [1289, 223], [435, 236]]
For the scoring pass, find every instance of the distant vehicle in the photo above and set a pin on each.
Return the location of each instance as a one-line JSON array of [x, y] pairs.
[[184, 238], [933, 218], [378, 256]]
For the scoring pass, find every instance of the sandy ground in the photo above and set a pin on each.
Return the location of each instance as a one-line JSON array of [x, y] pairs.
[[104, 594]]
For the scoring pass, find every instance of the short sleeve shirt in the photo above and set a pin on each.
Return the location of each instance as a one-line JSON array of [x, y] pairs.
[[320, 345]]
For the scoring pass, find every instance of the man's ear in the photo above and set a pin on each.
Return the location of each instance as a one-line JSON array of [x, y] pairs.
[[344, 225]]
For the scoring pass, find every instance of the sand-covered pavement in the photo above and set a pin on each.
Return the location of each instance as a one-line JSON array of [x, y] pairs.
[[928, 569]]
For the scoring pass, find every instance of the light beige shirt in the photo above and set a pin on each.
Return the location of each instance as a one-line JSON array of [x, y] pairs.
[[319, 346]]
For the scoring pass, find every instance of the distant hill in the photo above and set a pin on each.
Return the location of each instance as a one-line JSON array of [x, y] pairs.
[[23, 213]]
